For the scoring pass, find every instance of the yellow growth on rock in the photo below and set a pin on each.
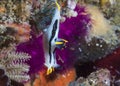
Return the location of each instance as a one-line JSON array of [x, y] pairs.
[[100, 26]]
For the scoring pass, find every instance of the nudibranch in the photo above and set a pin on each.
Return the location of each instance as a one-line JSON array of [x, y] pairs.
[[51, 40], [71, 29]]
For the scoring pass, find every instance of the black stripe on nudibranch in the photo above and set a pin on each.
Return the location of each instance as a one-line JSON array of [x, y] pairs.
[[52, 36]]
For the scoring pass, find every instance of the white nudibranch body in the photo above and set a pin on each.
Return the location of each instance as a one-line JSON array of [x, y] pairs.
[[50, 38]]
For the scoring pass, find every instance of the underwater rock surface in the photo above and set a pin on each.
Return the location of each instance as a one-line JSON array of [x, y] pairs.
[[91, 55], [101, 77]]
